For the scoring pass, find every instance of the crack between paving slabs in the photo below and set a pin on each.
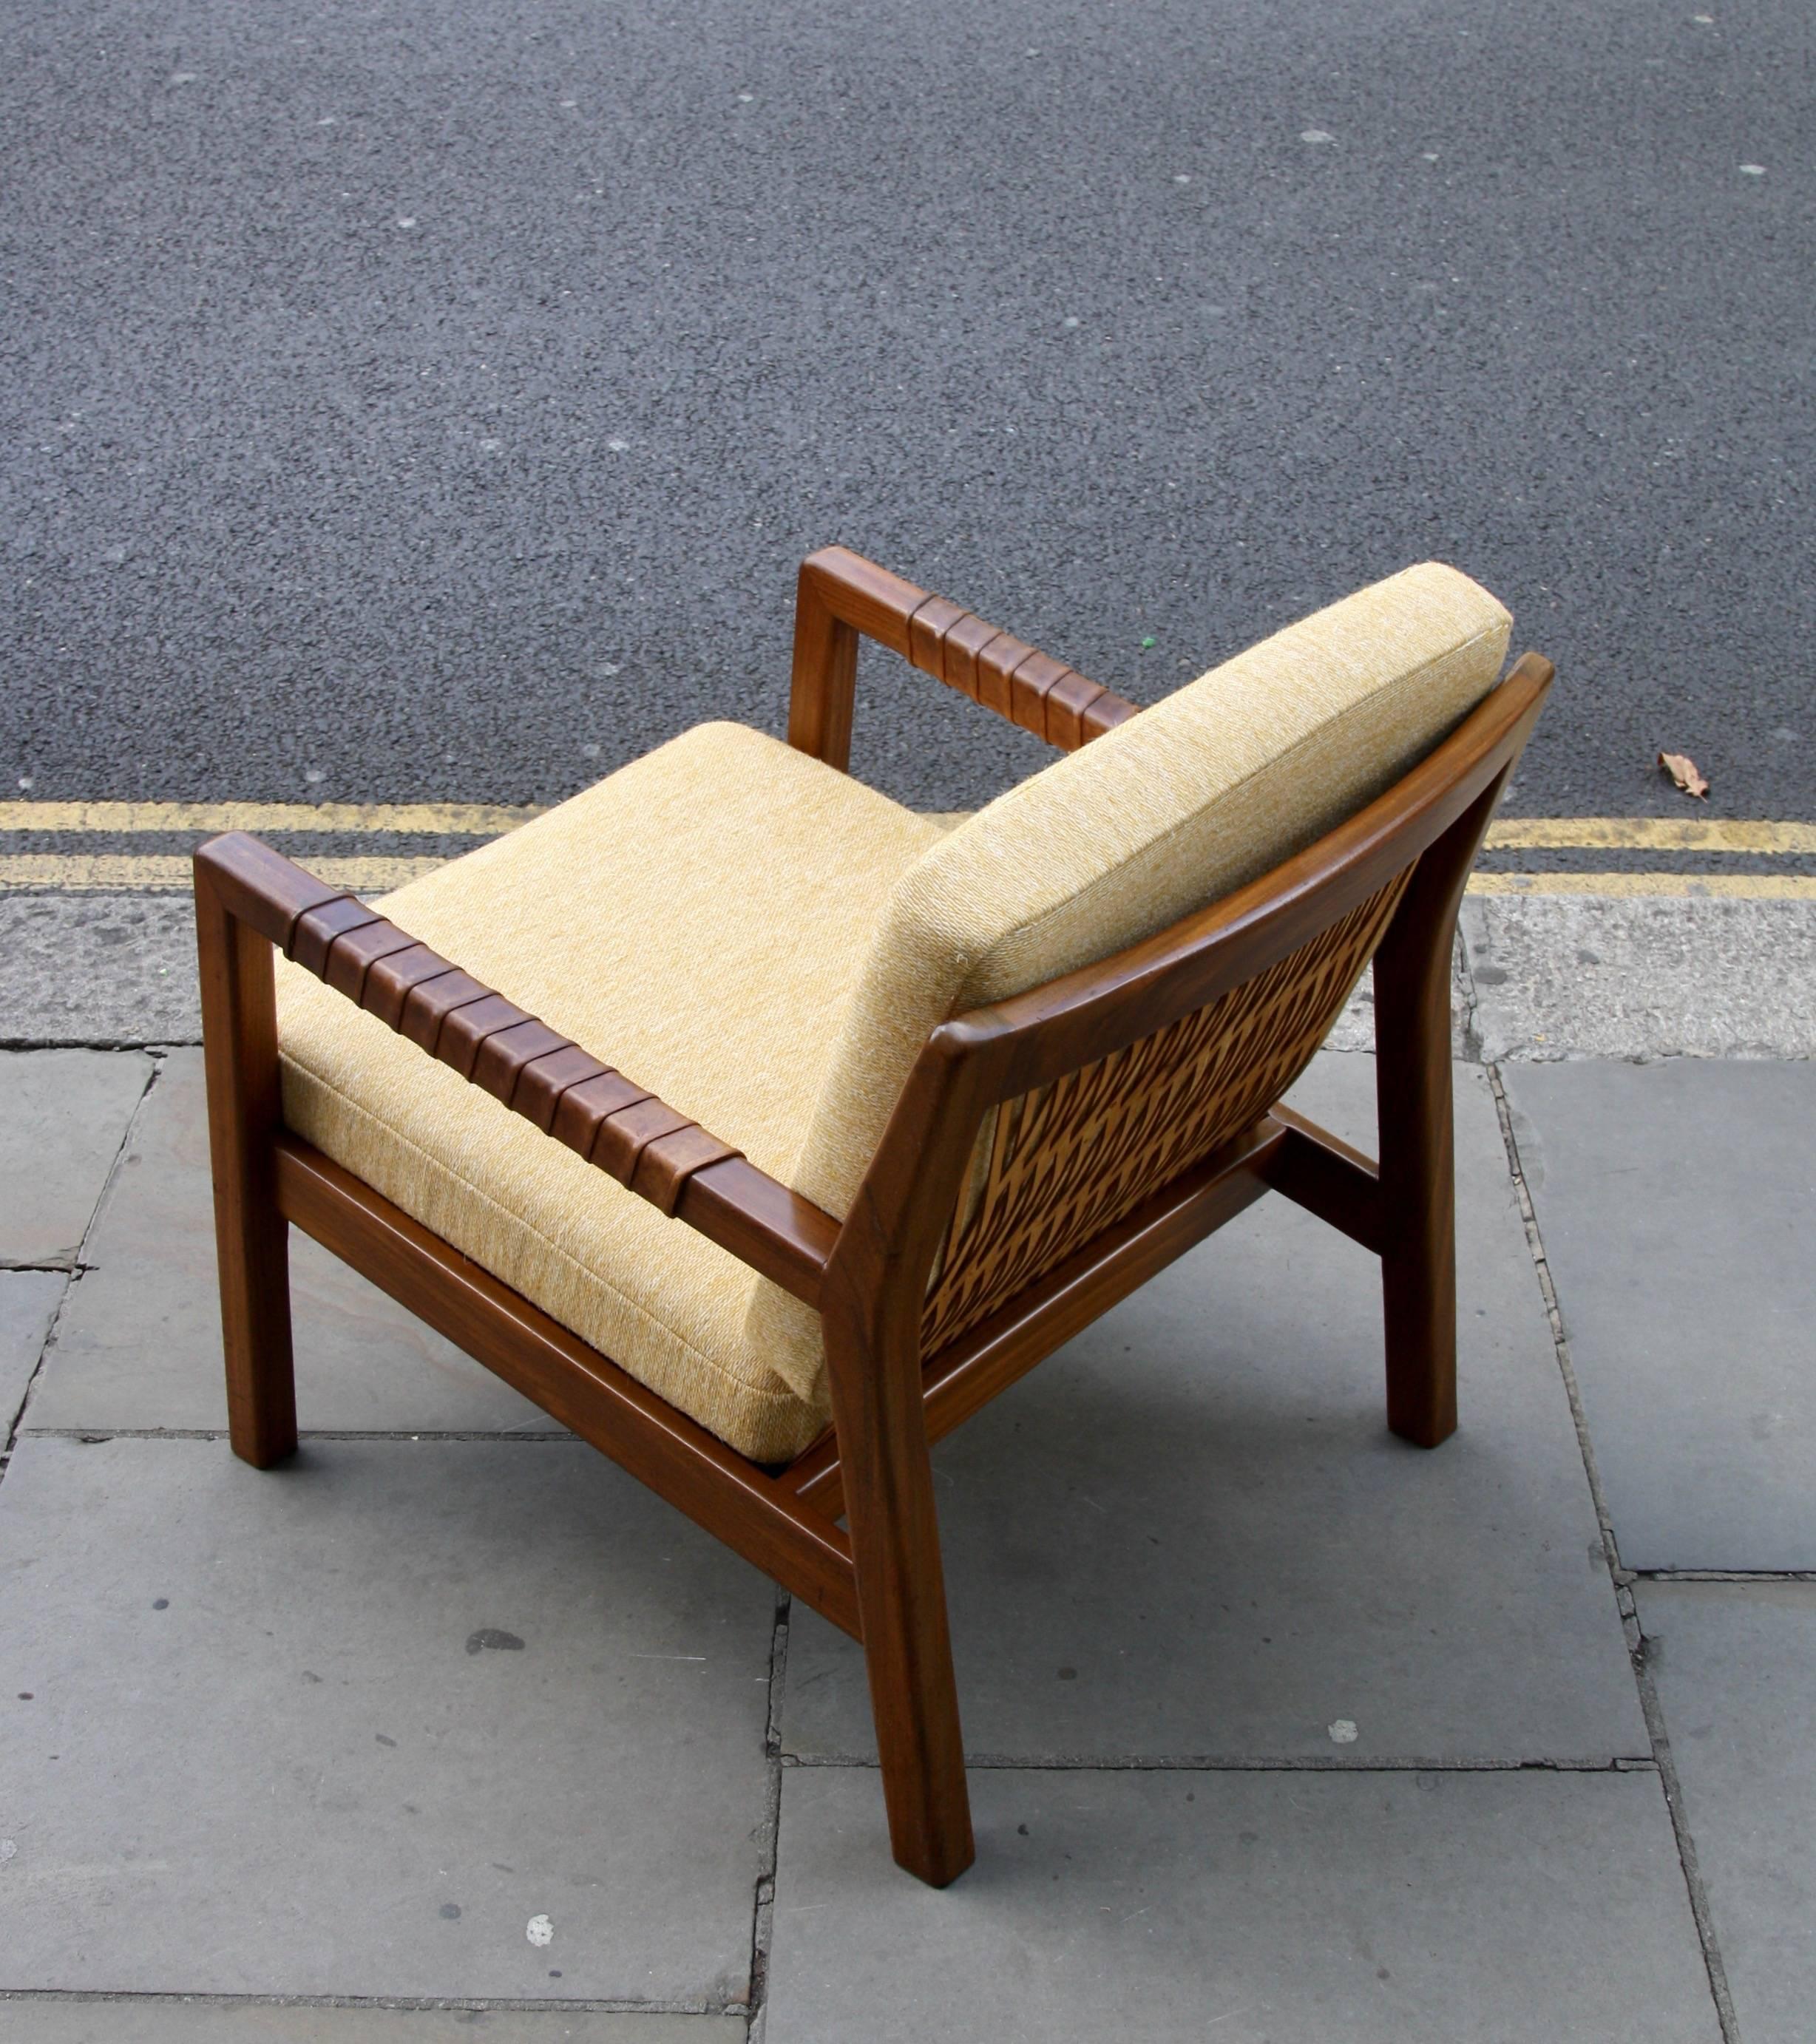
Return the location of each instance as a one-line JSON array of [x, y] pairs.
[[153, 1046], [1721, 1575], [476, 2004], [1463, 980], [762, 1913], [528, 1433], [79, 1265], [1621, 1580], [1113, 1763]]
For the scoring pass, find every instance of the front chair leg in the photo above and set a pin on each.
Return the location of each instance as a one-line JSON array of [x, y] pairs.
[[239, 1054], [901, 1605]]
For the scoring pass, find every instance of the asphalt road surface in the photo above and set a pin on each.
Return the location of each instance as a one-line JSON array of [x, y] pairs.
[[426, 400]]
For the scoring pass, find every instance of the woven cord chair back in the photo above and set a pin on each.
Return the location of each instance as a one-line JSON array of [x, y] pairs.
[[1055, 1167]]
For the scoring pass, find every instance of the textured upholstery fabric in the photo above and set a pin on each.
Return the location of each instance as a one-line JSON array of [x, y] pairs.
[[695, 920], [767, 944], [1205, 790]]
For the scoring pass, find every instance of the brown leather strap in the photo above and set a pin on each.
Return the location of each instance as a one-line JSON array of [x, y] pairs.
[[942, 639], [1006, 674], [535, 1071]]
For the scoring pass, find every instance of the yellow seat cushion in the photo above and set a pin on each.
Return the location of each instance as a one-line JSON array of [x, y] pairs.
[[695, 920]]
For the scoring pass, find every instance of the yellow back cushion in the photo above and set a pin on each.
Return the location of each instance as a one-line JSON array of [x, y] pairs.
[[1205, 791]]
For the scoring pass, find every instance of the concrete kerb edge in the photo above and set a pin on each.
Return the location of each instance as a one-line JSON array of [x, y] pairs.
[[1689, 977]]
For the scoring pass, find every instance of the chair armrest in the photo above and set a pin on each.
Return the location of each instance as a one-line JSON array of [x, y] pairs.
[[840, 595], [657, 1152]]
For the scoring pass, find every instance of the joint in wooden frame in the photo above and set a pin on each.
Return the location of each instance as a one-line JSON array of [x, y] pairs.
[[840, 595]]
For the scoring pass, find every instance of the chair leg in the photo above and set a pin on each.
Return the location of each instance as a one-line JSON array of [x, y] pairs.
[[901, 1604], [1418, 1135], [240, 1054], [1418, 1259]]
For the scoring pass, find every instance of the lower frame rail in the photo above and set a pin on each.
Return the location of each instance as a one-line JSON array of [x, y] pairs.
[[733, 1499]]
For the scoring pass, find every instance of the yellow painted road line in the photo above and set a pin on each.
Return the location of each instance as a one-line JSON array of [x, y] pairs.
[[424, 819], [1646, 834], [1732, 886], [489, 819], [127, 872]]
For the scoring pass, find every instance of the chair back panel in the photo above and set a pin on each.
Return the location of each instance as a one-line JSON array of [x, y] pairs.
[[1055, 1167]]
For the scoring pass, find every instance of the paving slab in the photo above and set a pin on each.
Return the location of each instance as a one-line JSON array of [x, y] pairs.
[[140, 1345], [1190, 1533], [28, 1305], [63, 1115], [129, 2020], [1641, 976], [1735, 1664], [1243, 1908], [350, 1727], [1676, 1202]]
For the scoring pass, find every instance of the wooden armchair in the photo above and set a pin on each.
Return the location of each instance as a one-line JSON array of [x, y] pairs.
[[938, 1101]]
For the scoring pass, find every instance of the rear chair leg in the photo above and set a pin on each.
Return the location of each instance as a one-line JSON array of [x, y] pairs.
[[240, 1053], [1418, 1134], [1418, 1260]]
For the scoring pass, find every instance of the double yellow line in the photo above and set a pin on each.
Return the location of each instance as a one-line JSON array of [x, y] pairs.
[[164, 873], [129, 872], [1624, 834], [206, 819]]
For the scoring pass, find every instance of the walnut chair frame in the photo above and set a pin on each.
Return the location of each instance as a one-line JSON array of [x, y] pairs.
[[1047, 1156]]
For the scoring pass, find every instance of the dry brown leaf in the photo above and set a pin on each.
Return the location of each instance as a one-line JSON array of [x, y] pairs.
[[1681, 769]]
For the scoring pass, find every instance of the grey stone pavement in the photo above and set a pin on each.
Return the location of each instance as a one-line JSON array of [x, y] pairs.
[[1281, 1729]]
